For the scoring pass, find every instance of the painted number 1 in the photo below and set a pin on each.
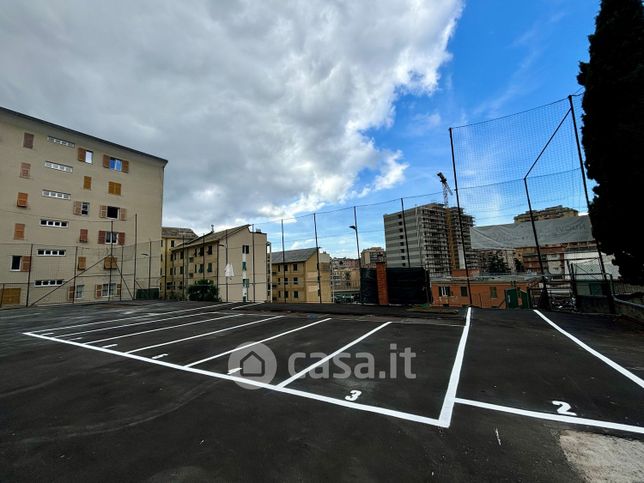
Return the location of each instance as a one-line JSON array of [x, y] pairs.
[[564, 408], [353, 395]]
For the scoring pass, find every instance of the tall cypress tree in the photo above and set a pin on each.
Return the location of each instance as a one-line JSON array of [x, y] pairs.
[[613, 132]]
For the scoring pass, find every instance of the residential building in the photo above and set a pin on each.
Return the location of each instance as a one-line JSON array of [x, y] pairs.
[[170, 238], [295, 276], [551, 213], [428, 236], [73, 206], [235, 260], [487, 292], [345, 279], [371, 256]]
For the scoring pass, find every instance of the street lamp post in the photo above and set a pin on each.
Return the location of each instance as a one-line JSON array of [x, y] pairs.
[[354, 227]]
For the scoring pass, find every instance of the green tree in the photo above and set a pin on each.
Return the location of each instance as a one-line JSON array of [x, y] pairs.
[[204, 291], [496, 264], [613, 131]]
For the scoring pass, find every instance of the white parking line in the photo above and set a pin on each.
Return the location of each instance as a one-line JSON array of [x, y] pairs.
[[127, 318], [203, 335], [159, 356], [450, 395], [132, 334], [285, 390], [553, 417], [136, 323], [603, 358], [109, 346], [255, 343], [246, 305], [286, 382]]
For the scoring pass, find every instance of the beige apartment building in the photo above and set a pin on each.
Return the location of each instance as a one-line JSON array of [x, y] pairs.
[[295, 276], [73, 206], [171, 237], [235, 260]]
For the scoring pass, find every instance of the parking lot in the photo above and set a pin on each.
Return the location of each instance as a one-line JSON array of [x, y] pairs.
[[159, 391]]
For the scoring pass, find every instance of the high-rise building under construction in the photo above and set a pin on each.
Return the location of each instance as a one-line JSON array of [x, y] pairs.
[[429, 236]]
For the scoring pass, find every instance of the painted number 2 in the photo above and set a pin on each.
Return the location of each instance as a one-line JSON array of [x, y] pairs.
[[564, 408], [353, 395]]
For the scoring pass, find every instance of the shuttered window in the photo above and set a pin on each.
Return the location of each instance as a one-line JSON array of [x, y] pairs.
[[25, 264], [87, 182], [25, 170], [114, 188], [19, 231], [22, 200], [109, 263], [82, 263], [83, 235], [28, 141], [85, 156]]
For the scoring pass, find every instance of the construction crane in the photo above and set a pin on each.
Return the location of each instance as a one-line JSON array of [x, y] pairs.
[[446, 189]]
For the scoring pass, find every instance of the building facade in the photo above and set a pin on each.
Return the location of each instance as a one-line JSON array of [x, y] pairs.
[[73, 207], [370, 256], [234, 260], [429, 236], [551, 213], [171, 237], [295, 276], [487, 292]]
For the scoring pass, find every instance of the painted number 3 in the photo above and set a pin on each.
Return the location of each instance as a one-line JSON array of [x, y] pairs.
[[564, 408], [353, 395]]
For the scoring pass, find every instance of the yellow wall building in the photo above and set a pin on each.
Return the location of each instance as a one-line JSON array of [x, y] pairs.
[[295, 276]]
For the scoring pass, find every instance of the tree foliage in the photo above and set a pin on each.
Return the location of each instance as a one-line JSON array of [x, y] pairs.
[[613, 131], [204, 291], [496, 264]]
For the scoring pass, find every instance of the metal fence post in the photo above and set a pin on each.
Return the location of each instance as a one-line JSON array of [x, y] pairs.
[[31, 262]]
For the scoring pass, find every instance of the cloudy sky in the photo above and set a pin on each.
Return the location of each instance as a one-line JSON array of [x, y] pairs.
[[278, 108]]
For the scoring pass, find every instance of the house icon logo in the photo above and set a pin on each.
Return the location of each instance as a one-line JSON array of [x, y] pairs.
[[252, 362]]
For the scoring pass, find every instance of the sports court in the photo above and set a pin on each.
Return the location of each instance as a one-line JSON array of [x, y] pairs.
[[483, 382]]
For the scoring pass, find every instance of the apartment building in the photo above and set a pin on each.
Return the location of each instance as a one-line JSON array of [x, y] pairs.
[[171, 237], [295, 276], [498, 292], [429, 236], [71, 205], [236, 260], [371, 256], [345, 279], [550, 213]]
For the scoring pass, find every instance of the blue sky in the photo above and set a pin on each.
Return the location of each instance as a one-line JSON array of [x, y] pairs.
[[507, 57]]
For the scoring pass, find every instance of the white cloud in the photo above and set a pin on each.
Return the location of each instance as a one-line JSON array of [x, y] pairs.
[[260, 107]]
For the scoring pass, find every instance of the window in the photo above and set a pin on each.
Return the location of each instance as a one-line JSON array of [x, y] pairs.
[[401, 237], [28, 141], [246, 249], [54, 223], [285, 280], [79, 291], [493, 294], [285, 294], [444, 291], [62, 142], [295, 267], [25, 169], [19, 231], [106, 290], [112, 212], [295, 281], [116, 164], [181, 270], [15, 263], [85, 156], [400, 230], [402, 243], [82, 263], [209, 267], [200, 268], [21, 202], [48, 283], [463, 291], [84, 208], [87, 182], [296, 294], [46, 252], [110, 263], [279, 269], [181, 255], [59, 167], [172, 243], [82, 238], [111, 237], [114, 188], [285, 268], [56, 194]]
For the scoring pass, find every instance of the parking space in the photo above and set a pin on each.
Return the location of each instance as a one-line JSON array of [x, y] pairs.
[[425, 377]]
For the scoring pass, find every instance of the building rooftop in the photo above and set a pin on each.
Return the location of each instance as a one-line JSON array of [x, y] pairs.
[[79, 133], [174, 232], [293, 256], [213, 236]]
